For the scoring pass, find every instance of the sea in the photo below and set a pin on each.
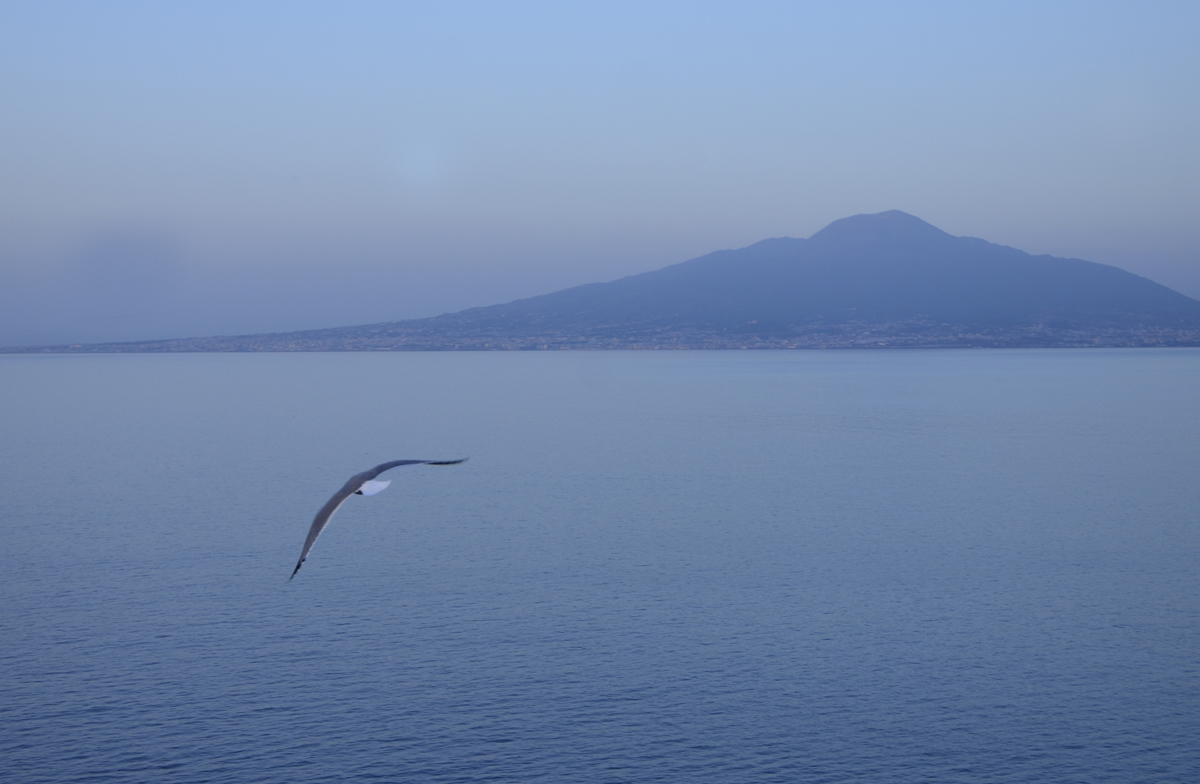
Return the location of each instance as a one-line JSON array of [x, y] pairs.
[[679, 566]]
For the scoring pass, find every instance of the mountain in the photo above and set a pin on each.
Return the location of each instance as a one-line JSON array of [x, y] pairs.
[[887, 279]]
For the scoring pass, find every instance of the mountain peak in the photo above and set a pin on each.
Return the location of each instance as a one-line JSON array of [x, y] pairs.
[[892, 227]]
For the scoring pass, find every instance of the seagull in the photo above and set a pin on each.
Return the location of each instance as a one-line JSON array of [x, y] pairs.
[[359, 484]]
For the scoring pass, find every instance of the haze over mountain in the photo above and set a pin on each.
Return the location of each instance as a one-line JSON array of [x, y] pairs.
[[888, 279]]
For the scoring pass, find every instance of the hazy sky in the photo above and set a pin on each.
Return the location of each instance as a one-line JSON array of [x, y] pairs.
[[174, 169]]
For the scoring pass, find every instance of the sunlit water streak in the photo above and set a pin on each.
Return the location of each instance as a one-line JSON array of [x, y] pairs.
[[975, 566]]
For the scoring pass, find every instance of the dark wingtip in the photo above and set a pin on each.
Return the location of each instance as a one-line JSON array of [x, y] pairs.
[[448, 462]]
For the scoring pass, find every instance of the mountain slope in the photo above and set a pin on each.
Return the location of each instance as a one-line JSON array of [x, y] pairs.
[[868, 268]]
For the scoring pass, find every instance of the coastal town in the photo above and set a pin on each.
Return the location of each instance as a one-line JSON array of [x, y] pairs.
[[424, 335]]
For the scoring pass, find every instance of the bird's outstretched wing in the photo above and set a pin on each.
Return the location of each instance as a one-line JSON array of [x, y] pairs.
[[351, 487], [379, 469]]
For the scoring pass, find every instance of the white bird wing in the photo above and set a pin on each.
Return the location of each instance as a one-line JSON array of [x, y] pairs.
[[373, 486]]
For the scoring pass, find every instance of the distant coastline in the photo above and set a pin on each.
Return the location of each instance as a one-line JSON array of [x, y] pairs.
[[395, 338]]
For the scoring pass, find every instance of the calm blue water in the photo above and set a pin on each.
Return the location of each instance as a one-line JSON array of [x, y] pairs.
[[921, 566]]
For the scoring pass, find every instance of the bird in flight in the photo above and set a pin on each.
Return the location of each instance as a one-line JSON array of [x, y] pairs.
[[359, 484]]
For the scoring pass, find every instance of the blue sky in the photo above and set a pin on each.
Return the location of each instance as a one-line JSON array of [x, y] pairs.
[[173, 169]]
